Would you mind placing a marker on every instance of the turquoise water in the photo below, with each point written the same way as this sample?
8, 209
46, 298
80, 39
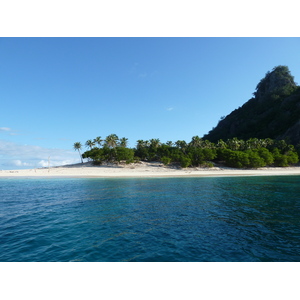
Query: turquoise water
149, 220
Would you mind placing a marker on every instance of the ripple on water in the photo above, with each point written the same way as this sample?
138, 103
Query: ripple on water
155, 219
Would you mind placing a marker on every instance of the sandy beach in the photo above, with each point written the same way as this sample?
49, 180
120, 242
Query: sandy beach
144, 169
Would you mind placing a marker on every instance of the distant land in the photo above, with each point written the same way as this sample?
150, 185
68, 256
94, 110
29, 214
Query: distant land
264, 132
273, 112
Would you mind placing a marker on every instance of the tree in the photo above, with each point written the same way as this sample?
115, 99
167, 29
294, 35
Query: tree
90, 143
234, 144
77, 146
166, 160
255, 161
122, 153
181, 145
123, 142
140, 144
266, 155
196, 142
98, 141
154, 143
185, 162
221, 144
111, 140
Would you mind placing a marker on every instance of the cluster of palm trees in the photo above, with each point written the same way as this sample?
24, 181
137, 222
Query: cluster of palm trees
111, 141
235, 152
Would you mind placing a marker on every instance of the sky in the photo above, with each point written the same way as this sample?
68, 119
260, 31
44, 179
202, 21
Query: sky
58, 91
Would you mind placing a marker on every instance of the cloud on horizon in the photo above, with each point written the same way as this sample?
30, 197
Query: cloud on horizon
7, 130
15, 156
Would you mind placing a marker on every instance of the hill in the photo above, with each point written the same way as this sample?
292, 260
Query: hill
273, 112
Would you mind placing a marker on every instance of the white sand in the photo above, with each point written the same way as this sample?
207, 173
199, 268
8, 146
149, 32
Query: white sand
143, 169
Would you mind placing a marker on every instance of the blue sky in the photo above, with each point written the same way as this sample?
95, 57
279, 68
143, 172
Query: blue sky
57, 91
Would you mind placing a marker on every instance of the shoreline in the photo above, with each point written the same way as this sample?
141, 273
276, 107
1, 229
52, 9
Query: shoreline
142, 170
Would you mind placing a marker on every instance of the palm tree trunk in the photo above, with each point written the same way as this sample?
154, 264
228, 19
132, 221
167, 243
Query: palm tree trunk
80, 156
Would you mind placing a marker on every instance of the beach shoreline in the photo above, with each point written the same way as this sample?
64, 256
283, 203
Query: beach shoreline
143, 170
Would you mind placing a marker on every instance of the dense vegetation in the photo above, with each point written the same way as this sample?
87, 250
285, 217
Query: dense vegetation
255, 134
273, 112
252, 153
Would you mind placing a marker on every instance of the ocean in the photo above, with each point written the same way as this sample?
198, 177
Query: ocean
207, 219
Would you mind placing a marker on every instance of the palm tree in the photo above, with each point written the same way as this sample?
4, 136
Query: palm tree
221, 144
123, 142
253, 143
181, 145
78, 146
196, 142
154, 143
233, 144
269, 142
140, 144
111, 140
208, 144
90, 143
98, 141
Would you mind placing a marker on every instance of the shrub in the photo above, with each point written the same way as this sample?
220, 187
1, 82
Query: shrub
292, 157
237, 159
207, 164
281, 160
266, 155
185, 162
165, 160
136, 159
124, 154
255, 161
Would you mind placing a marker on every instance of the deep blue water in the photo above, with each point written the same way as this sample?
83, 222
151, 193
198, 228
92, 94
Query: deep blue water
150, 220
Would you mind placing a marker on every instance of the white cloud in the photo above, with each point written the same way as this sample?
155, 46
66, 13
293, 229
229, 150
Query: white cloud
43, 163
5, 129
170, 108
13, 155
19, 163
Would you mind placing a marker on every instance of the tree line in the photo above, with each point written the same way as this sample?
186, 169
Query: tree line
237, 153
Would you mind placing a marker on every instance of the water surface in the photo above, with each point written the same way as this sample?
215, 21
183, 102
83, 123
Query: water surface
151, 219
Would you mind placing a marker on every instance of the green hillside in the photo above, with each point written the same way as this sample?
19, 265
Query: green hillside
273, 112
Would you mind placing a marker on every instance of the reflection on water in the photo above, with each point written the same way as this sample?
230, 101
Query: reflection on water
162, 219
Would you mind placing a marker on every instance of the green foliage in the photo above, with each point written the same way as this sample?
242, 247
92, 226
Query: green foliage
166, 160
280, 160
207, 164
143, 153
292, 157
185, 161
237, 153
77, 146
111, 141
237, 159
272, 113
125, 154
284, 160
200, 155
266, 155
255, 161
136, 159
